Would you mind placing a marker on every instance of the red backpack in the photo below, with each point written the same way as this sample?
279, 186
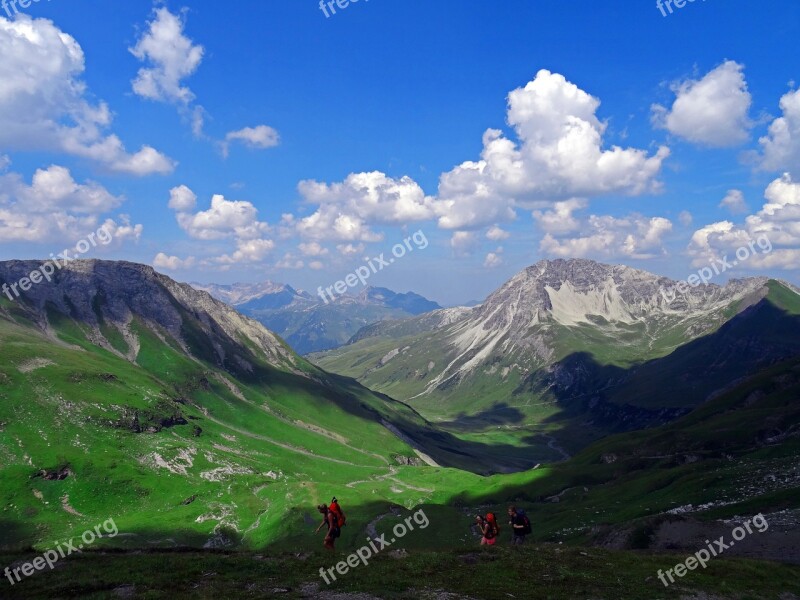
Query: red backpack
494, 527
337, 512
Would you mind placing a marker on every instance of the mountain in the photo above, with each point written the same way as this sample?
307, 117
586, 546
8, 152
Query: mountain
309, 324
274, 295
575, 349
125, 394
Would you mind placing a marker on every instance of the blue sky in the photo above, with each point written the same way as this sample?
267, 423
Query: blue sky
615, 133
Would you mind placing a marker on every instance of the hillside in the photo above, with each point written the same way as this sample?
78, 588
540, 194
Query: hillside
125, 394
572, 350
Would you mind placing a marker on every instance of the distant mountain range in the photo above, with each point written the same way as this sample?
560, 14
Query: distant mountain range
307, 323
576, 349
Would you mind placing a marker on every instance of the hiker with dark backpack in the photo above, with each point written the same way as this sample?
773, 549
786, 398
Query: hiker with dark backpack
520, 525
329, 518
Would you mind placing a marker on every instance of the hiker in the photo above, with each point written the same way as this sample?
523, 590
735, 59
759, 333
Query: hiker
489, 529
520, 525
329, 519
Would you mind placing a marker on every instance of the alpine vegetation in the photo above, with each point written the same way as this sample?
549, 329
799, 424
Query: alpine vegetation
375, 546
715, 548
62, 550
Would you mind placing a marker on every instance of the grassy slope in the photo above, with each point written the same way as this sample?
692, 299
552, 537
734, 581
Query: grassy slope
636, 365
250, 454
536, 572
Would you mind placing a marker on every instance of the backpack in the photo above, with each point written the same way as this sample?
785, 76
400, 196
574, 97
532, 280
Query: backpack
337, 512
525, 520
493, 526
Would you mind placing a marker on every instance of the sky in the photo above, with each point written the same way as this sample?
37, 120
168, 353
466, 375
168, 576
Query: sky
297, 142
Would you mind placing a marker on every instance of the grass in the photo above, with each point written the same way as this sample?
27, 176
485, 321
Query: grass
536, 572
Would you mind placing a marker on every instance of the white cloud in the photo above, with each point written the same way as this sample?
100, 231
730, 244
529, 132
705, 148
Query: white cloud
559, 155
182, 199
313, 249
712, 111
560, 219
778, 221
347, 209
44, 105
734, 201
173, 263
172, 56
235, 220
247, 251
224, 219
316, 265
259, 137
463, 242
350, 249
685, 218
54, 207
124, 231
493, 259
497, 234
781, 146
634, 236
289, 262
5, 162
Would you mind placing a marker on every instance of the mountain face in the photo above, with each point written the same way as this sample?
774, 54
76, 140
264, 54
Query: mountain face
126, 394
575, 341
310, 325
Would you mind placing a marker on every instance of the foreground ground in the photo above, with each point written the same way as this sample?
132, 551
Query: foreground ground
542, 571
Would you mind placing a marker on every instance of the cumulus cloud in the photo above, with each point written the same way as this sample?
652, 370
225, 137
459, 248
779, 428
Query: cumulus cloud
685, 218
235, 220
313, 249
350, 249
634, 236
560, 220
493, 259
559, 155
224, 219
781, 145
463, 242
44, 104
734, 202
778, 221
173, 263
171, 58
711, 111
259, 137
346, 210
497, 234
56, 207
182, 199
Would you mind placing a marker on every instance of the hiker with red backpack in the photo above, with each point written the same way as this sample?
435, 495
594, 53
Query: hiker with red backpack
334, 518
520, 525
329, 519
489, 529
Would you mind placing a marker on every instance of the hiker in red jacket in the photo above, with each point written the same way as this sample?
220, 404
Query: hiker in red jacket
329, 519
